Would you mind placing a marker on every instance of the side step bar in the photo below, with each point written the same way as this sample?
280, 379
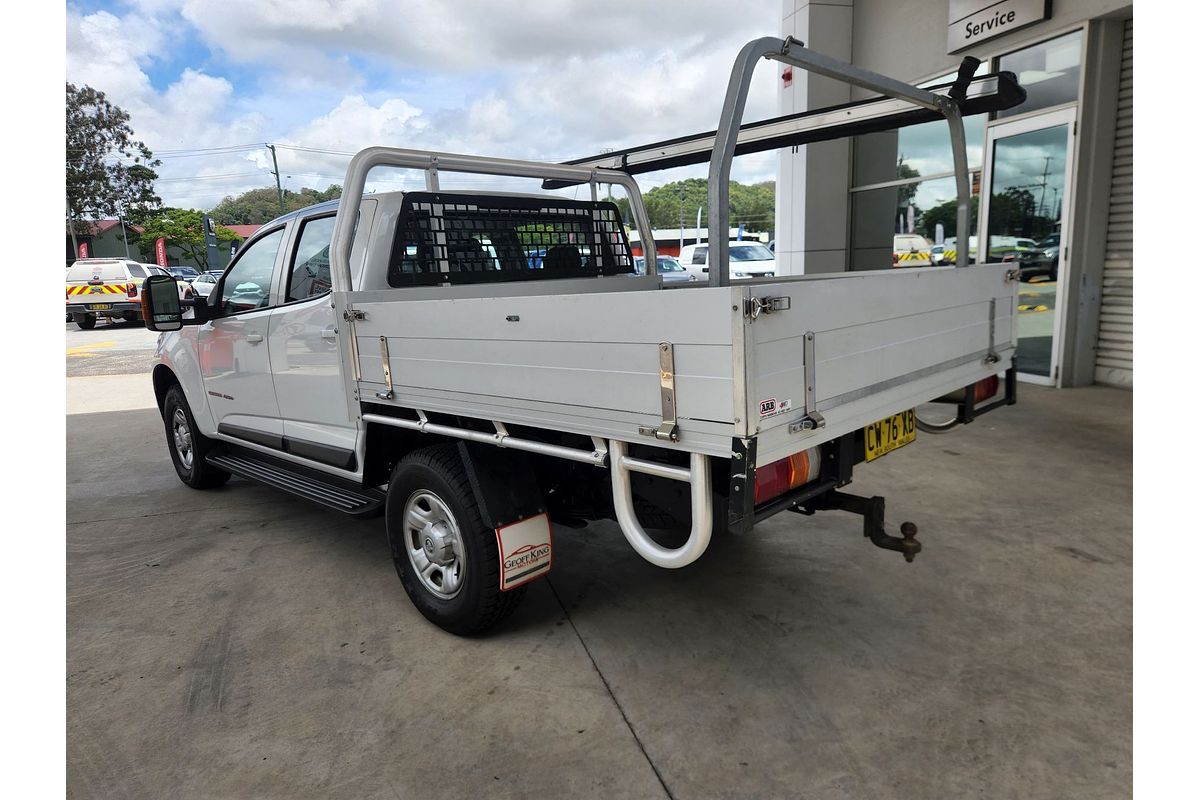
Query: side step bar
356, 502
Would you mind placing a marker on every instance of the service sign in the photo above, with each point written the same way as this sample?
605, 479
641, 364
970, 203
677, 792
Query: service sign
975, 21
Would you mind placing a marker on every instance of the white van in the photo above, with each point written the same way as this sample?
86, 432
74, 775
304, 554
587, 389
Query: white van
911, 250
746, 260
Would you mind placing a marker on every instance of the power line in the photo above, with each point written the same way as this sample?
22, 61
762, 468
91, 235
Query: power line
208, 177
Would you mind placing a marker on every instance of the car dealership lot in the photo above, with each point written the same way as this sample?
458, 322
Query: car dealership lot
241, 643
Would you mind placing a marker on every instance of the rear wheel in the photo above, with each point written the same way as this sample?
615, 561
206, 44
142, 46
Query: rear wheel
85, 321
446, 557
188, 446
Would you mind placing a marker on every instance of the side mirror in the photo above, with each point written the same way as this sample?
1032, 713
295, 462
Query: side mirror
160, 303
200, 309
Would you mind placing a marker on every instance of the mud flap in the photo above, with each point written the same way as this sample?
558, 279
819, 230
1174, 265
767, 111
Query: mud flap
510, 503
526, 551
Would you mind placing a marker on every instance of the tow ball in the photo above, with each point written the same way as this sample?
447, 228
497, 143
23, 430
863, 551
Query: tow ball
872, 511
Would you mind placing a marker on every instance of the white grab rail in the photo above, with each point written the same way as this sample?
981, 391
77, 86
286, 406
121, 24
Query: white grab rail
698, 475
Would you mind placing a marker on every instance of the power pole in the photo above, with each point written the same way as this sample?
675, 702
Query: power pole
278, 185
681, 220
71, 226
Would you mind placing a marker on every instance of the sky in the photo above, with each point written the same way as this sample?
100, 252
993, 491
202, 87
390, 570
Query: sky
209, 82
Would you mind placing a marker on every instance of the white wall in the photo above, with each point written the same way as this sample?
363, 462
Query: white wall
810, 196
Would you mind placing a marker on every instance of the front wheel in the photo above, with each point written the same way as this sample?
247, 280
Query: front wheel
447, 559
188, 446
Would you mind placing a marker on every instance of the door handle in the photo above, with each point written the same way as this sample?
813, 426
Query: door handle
254, 338
329, 333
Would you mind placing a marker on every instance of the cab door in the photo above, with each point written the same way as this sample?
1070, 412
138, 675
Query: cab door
234, 349
305, 359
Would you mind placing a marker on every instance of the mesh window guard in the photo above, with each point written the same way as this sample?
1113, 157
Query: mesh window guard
453, 239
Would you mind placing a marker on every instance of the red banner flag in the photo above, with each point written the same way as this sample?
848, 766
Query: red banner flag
160, 252
83, 250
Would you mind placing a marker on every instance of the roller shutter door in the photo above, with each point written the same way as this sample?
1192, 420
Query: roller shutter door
1114, 347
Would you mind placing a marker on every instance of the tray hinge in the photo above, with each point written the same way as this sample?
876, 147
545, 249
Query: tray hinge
387, 370
991, 357
812, 418
668, 430
351, 316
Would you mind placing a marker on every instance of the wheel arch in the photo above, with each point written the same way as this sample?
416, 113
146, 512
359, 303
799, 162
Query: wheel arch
164, 378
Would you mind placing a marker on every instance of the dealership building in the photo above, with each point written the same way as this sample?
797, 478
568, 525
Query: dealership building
1052, 178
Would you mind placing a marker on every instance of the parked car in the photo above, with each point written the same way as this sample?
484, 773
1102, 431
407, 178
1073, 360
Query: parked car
910, 250
186, 273
182, 285
667, 266
1042, 259
204, 283
746, 260
105, 287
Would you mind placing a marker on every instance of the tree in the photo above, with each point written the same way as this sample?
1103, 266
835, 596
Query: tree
907, 191
752, 206
184, 228
947, 214
260, 206
108, 171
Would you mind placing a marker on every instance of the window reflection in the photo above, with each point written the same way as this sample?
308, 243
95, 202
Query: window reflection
1049, 71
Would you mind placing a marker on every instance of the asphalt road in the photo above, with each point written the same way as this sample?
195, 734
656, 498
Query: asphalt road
240, 643
121, 348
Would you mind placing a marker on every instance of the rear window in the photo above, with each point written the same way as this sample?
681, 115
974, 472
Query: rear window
753, 252
104, 270
451, 239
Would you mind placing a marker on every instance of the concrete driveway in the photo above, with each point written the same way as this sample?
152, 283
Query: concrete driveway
239, 643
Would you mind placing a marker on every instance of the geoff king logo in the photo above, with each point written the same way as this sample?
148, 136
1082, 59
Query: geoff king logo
527, 556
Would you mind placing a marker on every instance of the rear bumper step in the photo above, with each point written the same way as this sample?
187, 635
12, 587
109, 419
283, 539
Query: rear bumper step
356, 502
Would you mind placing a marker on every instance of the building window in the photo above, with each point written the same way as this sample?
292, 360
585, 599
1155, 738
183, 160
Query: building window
903, 183
1049, 71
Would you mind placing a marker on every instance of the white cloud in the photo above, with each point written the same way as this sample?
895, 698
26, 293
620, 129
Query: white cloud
554, 80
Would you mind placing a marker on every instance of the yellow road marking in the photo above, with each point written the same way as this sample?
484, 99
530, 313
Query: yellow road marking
82, 350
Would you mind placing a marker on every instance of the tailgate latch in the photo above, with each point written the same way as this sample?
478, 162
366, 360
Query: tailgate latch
765, 305
668, 430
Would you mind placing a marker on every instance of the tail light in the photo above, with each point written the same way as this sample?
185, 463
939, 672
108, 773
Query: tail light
986, 388
782, 476
131, 289
187, 293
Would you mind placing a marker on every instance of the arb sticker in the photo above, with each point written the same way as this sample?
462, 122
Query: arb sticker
526, 550
771, 407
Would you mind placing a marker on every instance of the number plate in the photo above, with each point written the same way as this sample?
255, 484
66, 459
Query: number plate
99, 306
888, 434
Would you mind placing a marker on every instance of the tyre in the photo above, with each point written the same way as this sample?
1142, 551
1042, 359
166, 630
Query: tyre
187, 445
132, 316
447, 559
85, 321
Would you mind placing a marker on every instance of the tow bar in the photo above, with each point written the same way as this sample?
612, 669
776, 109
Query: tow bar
871, 509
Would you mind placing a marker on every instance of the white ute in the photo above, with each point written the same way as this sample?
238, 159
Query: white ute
474, 365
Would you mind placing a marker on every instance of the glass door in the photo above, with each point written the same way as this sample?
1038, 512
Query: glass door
1027, 218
